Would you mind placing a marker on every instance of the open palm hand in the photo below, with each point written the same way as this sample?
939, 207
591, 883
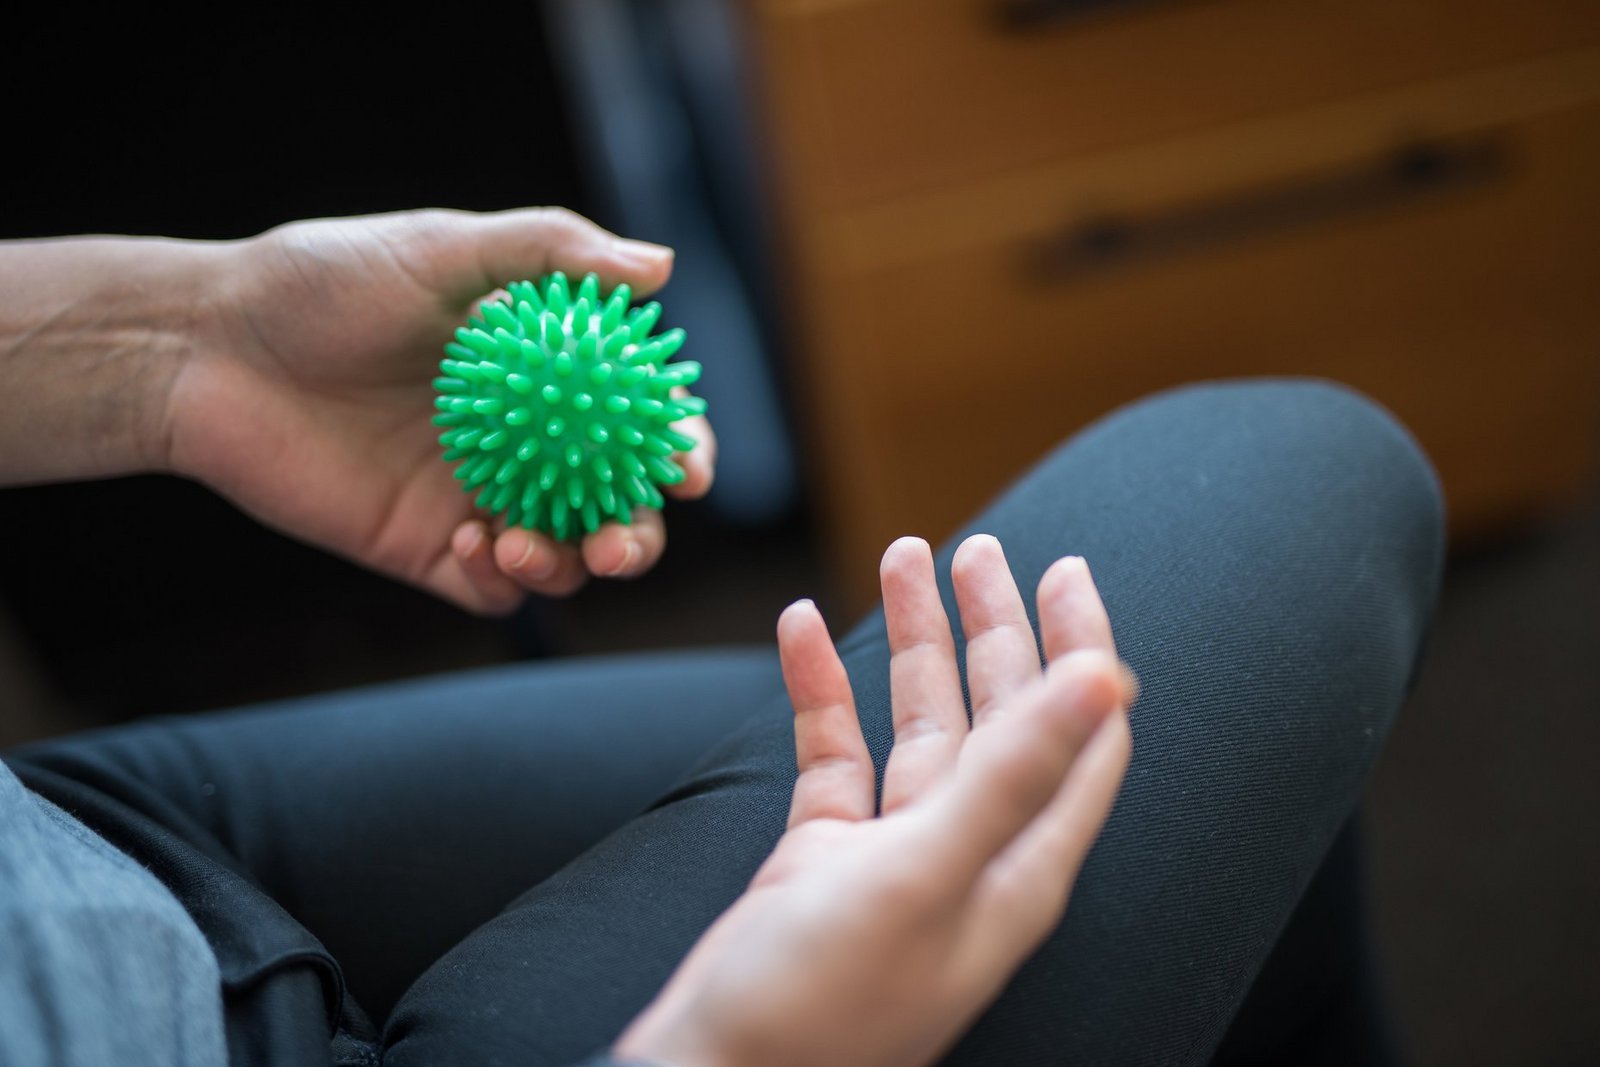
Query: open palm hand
878, 929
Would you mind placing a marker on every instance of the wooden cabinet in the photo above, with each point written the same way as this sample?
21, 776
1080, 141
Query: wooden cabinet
995, 236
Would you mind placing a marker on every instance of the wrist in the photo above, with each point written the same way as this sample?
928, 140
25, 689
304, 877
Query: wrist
173, 321
94, 333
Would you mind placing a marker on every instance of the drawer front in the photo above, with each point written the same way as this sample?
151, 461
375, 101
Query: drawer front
1467, 305
877, 97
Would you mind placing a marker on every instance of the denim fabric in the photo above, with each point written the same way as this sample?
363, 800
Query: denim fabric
98, 963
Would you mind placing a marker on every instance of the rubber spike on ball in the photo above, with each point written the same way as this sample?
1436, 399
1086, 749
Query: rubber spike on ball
546, 395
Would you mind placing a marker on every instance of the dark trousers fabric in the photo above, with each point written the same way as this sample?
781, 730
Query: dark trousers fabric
503, 867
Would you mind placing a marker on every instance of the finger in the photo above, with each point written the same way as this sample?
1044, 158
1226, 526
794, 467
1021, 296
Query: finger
618, 551
468, 575
1071, 614
930, 715
1023, 894
527, 242
539, 563
1002, 656
1010, 769
836, 773
700, 462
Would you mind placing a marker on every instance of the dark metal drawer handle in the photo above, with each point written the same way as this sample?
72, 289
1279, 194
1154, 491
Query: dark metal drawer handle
1414, 171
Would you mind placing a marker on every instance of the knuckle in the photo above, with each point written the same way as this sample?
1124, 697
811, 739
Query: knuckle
428, 231
562, 221
428, 221
1005, 630
923, 730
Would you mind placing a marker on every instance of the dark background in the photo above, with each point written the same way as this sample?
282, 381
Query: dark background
150, 595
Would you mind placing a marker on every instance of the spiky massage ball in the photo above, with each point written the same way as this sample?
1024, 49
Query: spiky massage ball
557, 403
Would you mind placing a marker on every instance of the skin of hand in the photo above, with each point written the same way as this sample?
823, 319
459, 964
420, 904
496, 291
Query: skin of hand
874, 935
293, 371
308, 397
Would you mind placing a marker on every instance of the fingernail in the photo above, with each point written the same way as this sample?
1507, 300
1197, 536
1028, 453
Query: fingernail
527, 554
467, 543
534, 563
642, 252
630, 556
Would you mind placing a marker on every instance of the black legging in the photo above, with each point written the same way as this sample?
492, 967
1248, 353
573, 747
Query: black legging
506, 865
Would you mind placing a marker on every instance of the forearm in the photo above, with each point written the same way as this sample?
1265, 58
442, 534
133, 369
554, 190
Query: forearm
93, 331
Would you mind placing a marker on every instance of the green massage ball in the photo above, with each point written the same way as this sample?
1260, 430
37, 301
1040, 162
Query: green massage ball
557, 405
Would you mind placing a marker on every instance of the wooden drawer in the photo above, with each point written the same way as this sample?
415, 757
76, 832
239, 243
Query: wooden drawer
949, 356
885, 96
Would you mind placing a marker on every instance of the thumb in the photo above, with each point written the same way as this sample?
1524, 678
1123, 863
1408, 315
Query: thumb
527, 242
